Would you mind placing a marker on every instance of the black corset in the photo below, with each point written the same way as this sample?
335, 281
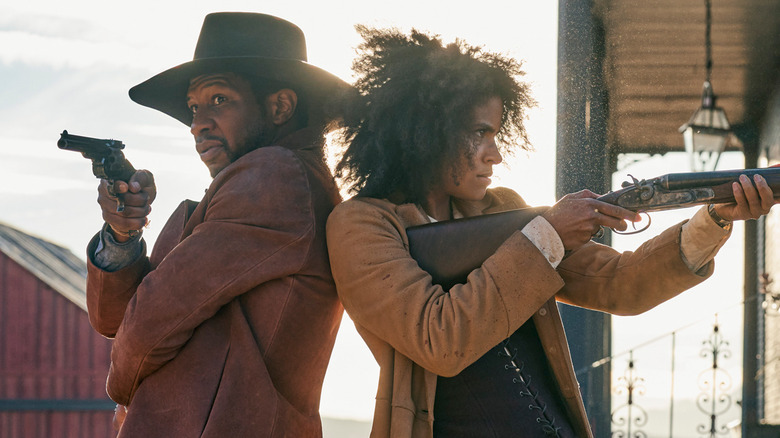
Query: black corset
508, 392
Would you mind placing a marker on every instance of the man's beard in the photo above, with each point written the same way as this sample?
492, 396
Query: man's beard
261, 135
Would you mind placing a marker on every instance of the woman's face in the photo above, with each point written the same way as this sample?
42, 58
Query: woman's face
470, 178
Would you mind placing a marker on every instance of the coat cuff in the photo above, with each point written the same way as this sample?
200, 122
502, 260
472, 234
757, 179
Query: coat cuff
546, 239
701, 239
109, 292
110, 255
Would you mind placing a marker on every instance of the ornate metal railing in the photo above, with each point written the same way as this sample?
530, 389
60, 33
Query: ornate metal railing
667, 389
629, 418
687, 379
715, 384
771, 303
710, 388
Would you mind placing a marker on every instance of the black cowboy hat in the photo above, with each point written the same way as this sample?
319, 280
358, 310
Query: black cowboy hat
258, 46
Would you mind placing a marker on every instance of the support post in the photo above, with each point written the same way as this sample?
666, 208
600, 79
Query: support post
583, 161
750, 343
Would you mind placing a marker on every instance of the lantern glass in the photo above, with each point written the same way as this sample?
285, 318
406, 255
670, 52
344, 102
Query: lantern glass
704, 147
706, 133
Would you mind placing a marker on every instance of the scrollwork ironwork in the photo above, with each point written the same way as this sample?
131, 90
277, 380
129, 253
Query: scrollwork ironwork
714, 384
629, 415
771, 303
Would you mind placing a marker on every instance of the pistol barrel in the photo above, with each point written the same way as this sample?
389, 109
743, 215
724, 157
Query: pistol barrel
88, 145
108, 161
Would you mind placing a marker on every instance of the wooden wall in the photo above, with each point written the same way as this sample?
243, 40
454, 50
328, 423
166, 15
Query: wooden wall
53, 366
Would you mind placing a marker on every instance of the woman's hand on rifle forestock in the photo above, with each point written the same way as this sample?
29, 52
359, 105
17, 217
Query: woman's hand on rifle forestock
752, 201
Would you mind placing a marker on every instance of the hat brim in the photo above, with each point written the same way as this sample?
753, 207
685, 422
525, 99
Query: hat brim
167, 91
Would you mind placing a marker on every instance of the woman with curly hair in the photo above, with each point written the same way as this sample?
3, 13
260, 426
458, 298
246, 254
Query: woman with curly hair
487, 357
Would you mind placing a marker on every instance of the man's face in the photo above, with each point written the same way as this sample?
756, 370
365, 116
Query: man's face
227, 120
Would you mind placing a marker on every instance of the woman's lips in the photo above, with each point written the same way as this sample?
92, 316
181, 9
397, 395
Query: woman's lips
485, 178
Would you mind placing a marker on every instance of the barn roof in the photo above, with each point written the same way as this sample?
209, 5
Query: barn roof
54, 265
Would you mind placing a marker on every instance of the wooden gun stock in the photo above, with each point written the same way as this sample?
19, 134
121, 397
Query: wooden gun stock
450, 250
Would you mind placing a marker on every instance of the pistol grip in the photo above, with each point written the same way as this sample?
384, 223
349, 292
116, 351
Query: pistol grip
120, 203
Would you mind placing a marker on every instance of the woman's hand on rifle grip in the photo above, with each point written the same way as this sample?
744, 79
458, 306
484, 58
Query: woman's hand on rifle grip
578, 216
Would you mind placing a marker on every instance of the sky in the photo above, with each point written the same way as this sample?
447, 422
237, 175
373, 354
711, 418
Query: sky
69, 65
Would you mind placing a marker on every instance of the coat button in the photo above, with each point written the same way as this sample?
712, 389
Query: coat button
542, 311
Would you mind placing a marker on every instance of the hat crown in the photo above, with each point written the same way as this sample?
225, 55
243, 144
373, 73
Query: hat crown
241, 34
260, 46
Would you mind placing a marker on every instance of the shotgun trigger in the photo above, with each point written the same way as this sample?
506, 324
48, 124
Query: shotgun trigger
633, 225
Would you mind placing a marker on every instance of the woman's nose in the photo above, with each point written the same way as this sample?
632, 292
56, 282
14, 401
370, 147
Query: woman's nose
492, 154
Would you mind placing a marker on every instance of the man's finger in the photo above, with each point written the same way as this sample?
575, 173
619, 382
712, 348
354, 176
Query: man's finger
124, 225
143, 178
134, 212
119, 187
140, 199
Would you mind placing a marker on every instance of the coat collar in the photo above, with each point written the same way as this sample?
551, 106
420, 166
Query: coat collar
303, 139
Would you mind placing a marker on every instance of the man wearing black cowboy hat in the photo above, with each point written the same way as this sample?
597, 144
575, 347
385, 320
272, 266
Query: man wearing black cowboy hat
227, 327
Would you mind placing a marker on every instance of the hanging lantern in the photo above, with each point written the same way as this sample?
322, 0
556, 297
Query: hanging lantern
707, 132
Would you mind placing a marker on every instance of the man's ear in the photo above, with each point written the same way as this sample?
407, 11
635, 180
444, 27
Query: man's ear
282, 105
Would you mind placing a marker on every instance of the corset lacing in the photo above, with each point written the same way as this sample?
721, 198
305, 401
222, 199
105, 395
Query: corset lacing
547, 421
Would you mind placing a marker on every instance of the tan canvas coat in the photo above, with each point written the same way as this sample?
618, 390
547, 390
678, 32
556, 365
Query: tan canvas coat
227, 329
416, 330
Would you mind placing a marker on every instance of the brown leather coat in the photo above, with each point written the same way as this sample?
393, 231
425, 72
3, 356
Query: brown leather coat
417, 330
227, 328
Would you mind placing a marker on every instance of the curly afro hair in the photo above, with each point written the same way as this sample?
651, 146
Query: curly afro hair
404, 126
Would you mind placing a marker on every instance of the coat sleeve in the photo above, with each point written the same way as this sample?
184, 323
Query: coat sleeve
109, 292
384, 290
628, 283
258, 226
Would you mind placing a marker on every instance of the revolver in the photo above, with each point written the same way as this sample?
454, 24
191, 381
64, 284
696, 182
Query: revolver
108, 161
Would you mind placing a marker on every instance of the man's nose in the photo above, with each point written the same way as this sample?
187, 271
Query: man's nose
201, 122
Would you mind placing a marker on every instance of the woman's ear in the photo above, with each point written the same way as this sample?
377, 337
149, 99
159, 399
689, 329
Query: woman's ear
282, 105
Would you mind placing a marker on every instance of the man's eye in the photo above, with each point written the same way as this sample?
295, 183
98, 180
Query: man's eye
219, 99
193, 109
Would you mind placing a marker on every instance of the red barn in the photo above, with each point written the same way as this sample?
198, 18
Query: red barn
53, 366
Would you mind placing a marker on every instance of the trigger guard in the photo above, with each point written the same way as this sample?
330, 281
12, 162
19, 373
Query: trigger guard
633, 224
